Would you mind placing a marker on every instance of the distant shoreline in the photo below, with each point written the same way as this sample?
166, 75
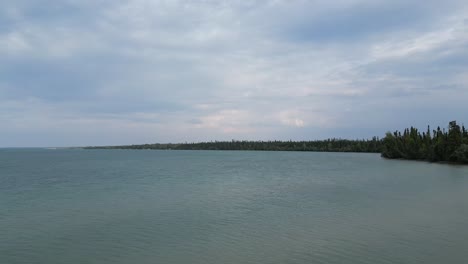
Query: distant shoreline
253, 150
330, 145
440, 145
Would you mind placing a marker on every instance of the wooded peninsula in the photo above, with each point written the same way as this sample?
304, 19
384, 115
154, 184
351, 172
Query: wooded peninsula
440, 145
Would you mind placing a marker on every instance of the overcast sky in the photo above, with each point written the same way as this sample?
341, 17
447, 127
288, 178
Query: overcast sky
104, 72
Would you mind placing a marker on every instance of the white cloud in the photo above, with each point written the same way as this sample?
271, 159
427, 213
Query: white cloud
291, 118
453, 32
14, 43
230, 121
185, 70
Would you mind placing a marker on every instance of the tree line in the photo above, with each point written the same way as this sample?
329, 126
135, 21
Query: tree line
439, 145
373, 145
449, 145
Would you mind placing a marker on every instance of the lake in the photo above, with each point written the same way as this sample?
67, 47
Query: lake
202, 207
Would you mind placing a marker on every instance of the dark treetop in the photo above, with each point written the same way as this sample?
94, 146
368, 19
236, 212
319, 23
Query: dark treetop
441, 145
330, 145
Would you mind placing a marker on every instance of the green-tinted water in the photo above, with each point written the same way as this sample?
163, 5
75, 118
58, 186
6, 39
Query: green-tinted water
115, 206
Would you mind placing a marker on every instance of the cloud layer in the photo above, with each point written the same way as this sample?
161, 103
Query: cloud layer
138, 71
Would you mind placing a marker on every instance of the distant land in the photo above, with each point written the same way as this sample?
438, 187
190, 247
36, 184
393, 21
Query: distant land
330, 145
439, 145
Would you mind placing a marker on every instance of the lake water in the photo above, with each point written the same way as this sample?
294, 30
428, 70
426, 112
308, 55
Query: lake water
124, 206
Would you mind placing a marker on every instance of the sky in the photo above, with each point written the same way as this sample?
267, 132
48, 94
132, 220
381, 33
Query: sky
111, 72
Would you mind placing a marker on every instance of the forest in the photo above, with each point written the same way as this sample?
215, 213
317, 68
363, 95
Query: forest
373, 145
439, 145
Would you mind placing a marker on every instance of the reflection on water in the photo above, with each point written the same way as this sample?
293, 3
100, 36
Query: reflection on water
114, 206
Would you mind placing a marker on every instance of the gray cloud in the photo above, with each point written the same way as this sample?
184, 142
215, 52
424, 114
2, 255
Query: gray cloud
362, 20
121, 72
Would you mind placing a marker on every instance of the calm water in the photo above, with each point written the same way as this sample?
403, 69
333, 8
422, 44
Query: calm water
121, 206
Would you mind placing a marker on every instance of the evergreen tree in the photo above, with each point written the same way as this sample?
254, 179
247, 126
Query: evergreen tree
444, 145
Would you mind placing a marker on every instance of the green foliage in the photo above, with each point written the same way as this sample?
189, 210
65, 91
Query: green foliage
436, 145
451, 145
330, 145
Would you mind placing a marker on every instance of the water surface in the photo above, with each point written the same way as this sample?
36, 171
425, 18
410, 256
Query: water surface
126, 206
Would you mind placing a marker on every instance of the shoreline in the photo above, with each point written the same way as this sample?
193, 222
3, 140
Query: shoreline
453, 163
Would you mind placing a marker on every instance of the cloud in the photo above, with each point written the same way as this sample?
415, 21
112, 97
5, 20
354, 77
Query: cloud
115, 72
